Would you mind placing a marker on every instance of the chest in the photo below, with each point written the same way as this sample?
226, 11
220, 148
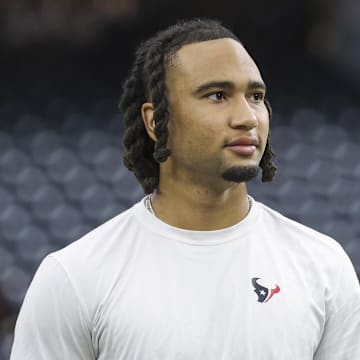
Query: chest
231, 307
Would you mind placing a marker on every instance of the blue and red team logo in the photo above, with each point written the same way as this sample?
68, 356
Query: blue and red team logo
263, 290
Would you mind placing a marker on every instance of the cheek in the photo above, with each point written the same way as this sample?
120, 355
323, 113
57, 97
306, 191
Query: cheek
192, 139
263, 127
202, 134
194, 144
263, 135
180, 138
264, 130
191, 129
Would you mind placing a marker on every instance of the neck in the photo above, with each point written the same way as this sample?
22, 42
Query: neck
200, 208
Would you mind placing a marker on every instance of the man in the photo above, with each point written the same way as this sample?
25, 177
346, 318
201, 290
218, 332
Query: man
198, 269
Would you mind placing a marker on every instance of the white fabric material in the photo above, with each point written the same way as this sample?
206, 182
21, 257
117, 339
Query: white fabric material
136, 288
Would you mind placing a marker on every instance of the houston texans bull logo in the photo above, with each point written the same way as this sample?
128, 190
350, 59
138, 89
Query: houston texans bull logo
264, 293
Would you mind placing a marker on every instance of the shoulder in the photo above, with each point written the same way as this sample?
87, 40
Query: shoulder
52, 316
293, 234
314, 256
92, 263
103, 239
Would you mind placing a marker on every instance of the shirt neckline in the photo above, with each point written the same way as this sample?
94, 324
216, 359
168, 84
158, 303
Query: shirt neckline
197, 237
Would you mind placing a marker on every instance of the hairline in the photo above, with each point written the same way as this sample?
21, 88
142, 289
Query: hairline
172, 54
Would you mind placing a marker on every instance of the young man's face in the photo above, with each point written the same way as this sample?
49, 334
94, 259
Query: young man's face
218, 124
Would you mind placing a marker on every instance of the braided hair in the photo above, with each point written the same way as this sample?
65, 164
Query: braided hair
146, 83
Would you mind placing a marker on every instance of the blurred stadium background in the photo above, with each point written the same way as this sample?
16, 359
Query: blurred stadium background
62, 65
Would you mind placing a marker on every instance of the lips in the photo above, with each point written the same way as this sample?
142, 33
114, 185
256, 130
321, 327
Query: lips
244, 141
244, 145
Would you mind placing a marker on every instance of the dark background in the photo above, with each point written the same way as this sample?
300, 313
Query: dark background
304, 48
62, 66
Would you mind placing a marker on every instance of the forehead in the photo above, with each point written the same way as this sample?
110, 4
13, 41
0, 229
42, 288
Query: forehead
224, 59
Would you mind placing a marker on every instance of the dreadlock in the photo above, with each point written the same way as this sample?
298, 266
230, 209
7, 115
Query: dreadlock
146, 83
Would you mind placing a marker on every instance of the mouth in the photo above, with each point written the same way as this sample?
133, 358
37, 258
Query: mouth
244, 145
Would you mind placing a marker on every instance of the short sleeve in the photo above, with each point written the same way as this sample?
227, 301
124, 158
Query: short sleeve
52, 323
341, 336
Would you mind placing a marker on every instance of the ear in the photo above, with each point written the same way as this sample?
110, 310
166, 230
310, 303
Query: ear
147, 113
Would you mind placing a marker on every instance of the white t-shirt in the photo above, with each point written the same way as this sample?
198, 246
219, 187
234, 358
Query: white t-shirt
137, 288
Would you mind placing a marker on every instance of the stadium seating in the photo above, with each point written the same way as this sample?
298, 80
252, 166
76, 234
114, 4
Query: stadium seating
61, 174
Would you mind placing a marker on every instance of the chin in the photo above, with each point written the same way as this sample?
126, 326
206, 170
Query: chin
240, 174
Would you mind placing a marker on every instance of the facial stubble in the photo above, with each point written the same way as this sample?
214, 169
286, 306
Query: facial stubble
240, 174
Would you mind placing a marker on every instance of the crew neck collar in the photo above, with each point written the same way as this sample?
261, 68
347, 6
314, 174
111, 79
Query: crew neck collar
197, 237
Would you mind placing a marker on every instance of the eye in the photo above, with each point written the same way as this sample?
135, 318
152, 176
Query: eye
258, 96
216, 96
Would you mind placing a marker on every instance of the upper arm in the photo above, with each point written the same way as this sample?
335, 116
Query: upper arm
53, 323
341, 336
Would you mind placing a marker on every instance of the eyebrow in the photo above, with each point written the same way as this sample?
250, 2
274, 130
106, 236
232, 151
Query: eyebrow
257, 85
228, 85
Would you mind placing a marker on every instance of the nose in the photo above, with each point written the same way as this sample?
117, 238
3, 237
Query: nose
243, 115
